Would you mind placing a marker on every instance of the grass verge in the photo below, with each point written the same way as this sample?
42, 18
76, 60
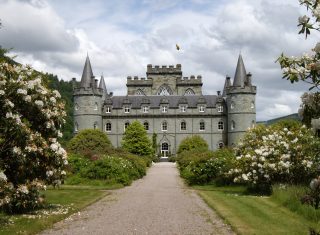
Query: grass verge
62, 202
253, 214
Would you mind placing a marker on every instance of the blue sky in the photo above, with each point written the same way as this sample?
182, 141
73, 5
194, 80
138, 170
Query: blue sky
122, 37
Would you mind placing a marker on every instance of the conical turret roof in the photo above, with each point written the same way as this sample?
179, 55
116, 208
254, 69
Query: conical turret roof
227, 84
87, 74
102, 84
241, 74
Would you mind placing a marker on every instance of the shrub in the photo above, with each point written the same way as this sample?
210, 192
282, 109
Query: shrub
30, 121
194, 142
275, 154
89, 143
136, 141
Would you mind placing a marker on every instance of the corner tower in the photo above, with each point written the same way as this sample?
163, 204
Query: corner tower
88, 99
241, 106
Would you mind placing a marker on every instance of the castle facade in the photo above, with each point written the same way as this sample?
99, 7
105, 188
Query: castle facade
169, 105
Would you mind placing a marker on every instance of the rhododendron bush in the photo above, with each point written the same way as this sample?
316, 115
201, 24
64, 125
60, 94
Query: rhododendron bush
30, 156
275, 154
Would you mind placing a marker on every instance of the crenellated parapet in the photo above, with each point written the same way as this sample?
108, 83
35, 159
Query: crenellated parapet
164, 69
190, 81
136, 81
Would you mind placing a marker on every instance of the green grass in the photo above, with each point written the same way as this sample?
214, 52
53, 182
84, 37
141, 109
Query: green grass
68, 198
253, 214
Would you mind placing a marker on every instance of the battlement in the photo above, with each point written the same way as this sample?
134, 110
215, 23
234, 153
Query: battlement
164, 69
192, 80
136, 81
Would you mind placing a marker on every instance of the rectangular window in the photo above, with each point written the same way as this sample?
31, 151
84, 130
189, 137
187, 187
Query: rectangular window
127, 109
183, 109
164, 109
108, 126
202, 126
220, 126
145, 109
201, 108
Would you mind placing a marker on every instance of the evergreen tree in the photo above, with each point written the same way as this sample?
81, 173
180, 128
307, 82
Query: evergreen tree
136, 141
195, 142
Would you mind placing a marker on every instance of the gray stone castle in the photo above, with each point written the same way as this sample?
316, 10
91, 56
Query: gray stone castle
168, 104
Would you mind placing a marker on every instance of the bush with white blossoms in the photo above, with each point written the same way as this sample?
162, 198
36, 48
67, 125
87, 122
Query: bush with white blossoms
275, 154
30, 156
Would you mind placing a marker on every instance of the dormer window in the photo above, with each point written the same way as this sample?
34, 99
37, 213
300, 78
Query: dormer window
145, 109
127, 109
108, 109
183, 108
164, 109
220, 108
201, 108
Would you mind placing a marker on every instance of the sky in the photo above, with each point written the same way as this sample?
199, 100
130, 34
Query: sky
122, 36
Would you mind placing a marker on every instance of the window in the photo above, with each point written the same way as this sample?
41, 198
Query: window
233, 125
220, 125
108, 109
96, 106
189, 91
220, 108
164, 126
252, 105
253, 123
202, 126
220, 145
139, 92
146, 126
164, 90
232, 105
183, 108
145, 109
164, 109
108, 126
95, 125
183, 126
76, 127
76, 107
126, 125
201, 108
127, 109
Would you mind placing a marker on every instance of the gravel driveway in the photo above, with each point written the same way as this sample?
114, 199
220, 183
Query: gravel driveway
159, 203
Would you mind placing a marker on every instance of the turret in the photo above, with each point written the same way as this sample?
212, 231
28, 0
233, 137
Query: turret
88, 99
102, 85
240, 103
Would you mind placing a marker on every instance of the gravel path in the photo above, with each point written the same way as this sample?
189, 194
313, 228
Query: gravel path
159, 203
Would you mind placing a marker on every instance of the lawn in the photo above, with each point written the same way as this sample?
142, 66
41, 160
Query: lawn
249, 214
62, 203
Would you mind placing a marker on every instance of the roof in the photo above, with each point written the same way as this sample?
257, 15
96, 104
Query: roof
156, 101
102, 84
240, 75
87, 74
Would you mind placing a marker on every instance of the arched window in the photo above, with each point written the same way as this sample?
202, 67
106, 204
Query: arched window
146, 125
164, 126
76, 106
233, 125
220, 145
139, 92
96, 106
189, 91
108, 126
164, 90
126, 125
164, 149
232, 105
252, 105
202, 126
183, 126
220, 125
76, 127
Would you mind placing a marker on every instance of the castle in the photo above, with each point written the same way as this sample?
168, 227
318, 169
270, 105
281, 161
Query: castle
168, 104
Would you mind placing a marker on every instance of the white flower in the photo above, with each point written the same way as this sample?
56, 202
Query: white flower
3, 177
244, 177
317, 48
49, 173
303, 19
295, 140
27, 98
9, 103
16, 150
316, 12
39, 103
56, 93
22, 91
63, 173
54, 147
53, 100
23, 189
2, 92
60, 134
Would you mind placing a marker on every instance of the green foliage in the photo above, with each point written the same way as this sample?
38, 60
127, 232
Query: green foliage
89, 142
193, 142
136, 141
310, 107
201, 167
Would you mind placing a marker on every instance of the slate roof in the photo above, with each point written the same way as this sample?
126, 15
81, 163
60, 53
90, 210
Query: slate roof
87, 75
155, 101
240, 76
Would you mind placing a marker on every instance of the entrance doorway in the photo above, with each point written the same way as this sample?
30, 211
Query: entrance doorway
164, 149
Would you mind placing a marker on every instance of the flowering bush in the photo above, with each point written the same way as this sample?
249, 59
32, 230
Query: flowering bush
275, 154
310, 107
30, 156
313, 196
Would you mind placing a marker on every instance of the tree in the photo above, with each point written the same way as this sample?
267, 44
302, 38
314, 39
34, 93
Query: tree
193, 143
30, 120
310, 107
89, 142
307, 67
136, 141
